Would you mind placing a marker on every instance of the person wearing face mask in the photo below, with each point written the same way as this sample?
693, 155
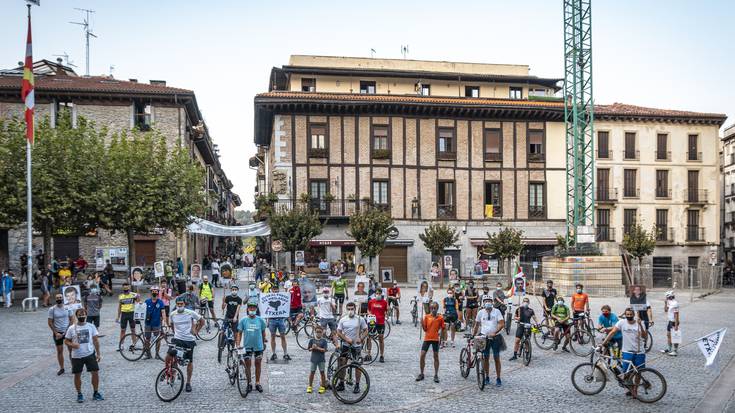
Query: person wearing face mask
580, 301
549, 297
450, 314
82, 339
524, 314
93, 304
671, 307
155, 311
471, 295
59, 319
489, 322
378, 306
433, 326
231, 308
325, 312
253, 295
251, 339
296, 311
126, 313
185, 325
561, 314
499, 298
607, 322
352, 330
277, 326
206, 293
633, 344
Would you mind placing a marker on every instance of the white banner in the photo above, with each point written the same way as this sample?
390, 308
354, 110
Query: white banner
710, 345
274, 305
201, 226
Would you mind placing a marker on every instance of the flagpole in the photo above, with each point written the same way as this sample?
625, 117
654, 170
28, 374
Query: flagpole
30, 125
29, 216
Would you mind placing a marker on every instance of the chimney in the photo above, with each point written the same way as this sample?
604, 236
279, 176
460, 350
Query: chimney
133, 80
158, 82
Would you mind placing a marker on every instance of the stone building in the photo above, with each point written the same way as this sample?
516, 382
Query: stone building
728, 194
122, 105
478, 146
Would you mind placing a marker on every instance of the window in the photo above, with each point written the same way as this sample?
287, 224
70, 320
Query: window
536, 145
603, 185
693, 186
380, 193
367, 87
604, 233
493, 145
662, 153
662, 224
516, 92
446, 143
692, 151
693, 262
142, 118
630, 151
380, 142
694, 232
472, 91
629, 219
318, 196
536, 92
64, 108
308, 85
318, 140
445, 200
603, 145
630, 190
424, 90
493, 200
662, 184
536, 204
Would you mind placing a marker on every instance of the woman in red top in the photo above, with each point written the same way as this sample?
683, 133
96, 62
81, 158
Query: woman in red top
378, 307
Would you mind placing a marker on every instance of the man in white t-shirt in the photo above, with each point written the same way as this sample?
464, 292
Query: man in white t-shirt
85, 351
325, 312
634, 348
490, 323
182, 322
671, 306
215, 271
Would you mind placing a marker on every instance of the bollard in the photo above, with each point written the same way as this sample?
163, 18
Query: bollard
29, 304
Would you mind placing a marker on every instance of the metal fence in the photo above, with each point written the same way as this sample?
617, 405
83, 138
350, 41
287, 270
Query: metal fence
696, 281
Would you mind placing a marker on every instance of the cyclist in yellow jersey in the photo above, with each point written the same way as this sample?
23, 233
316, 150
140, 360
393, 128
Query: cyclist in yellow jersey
125, 311
265, 286
206, 292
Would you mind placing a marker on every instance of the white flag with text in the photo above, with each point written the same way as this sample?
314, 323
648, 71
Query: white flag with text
710, 345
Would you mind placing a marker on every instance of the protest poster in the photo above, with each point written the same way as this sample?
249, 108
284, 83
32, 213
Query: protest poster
158, 269
196, 273
139, 311
72, 297
274, 305
638, 300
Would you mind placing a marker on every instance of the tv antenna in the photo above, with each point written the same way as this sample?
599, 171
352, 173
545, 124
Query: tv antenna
112, 68
87, 33
404, 51
66, 60
372, 53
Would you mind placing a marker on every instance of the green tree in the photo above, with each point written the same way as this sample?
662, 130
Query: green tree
294, 228
12, 173
370, 228
505, 244
639, 243
437, 238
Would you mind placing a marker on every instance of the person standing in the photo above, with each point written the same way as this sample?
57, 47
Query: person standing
325, 313
231, 308
179, 267
93, 305
524, 314
155, 310
215, 271
251, 338
433, 326
549, 297
82, 339
490, 323
317, 346
185, 325
206, 294
59, 319
165, 294
107, 276
499, 298
46, 285
351, 329
339, 290
633, 349
580, 301
450, 314
378, 307
394, 299
126, 312
671, 307
278, 326
7, 287
296, 311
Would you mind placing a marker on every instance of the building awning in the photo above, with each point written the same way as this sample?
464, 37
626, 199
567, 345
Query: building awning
479, 242
331, 242
399, 242
202, 226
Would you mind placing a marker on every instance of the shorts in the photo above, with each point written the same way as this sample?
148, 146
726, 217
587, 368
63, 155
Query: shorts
339, 298
393, 300
494, 344
563, 326
148, 329
319, 365
347, 349
127, 319
450, 317
58, 341
250, 353
328, 322
90, 362
461, 305
378, 329
638, 360
670, 326
295, 311
188, 345
471, 304
277, 324
519, 331
433, 344
168, 310
210, 303
94, 319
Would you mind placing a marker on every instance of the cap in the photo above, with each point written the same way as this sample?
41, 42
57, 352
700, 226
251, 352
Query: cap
252, 304
670, 293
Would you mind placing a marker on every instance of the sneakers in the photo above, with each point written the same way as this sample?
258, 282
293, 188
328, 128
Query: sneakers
322, 389
487, 381
249, 388
665, 350
340, 387
515, 357
286, 357
565, 349
188, 388
673, 353
367, 358
259, 388
97, 396
420, 377
452, 344
356, 389
436, 379
60, 372
274, 357
381, 359
398, 321
498, 382
308, 389
80, 398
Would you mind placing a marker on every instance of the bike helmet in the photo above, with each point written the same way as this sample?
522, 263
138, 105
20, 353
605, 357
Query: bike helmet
181, 299
670, 294
252, 304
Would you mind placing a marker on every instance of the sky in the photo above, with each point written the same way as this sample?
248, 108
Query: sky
673, 54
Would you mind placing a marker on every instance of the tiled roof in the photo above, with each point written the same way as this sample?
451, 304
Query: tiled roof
622, 109
94, 84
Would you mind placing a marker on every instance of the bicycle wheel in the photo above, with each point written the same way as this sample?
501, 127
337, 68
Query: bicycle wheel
414, 317
373, 349
480, 372
652, 385
231, 365
648, 342
220, 346
169, 383
209, 330
588, 379
308, 329
350, 383
582, 346
302, 339
132, 347
387, 331
464, 364
242, 380
508, 321
526, 349
544, 339
332, 365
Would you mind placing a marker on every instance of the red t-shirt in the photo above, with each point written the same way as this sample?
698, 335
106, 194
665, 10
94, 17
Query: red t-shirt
295, 297
378, 309
393, 292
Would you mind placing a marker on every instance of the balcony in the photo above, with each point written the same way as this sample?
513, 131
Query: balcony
664, 234
730, 217
732, 158
631, 155
694, 156
631, 192
445, 211
493, 157
627, 229
536, 212
663, 155
380, 153
536, 157
696, 196
497, 211
446, 156
334, 208
695, 234
663, 193
318, 153
607, 195
604, 233
603, 154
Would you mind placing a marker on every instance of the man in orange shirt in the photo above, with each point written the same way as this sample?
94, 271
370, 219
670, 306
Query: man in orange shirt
433, 325
580, 301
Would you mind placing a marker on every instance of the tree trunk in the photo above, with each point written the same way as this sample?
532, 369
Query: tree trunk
46, 245
131, 248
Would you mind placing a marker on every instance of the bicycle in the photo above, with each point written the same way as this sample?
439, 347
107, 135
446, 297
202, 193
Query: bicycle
226, 338
133, 346
231, 364
590, 378
241, 375
508, 315
370, 319
390, 315
170, 380
478, 344
466, 357
348, 375
211, 326
544, 335
582, 335
525, 345
415, 311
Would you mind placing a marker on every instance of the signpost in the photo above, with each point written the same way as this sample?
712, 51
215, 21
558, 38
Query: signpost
276, 247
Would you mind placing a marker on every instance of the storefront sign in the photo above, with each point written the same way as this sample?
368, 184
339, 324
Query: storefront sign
330, 243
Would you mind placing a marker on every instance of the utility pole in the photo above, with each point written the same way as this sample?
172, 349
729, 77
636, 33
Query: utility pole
87, 33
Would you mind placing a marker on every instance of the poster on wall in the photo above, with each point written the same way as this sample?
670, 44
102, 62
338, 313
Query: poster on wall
196, 272
386, 274
299, 259
447, 262
136, 276
118, 257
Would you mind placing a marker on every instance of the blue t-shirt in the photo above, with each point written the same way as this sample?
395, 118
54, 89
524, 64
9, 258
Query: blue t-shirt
609, 323
252, 333
153, 312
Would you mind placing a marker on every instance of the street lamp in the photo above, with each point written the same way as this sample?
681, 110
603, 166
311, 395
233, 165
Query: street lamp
415, 208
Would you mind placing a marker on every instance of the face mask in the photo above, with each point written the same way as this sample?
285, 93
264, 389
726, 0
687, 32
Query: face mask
95, 291
549, 286
497, 288
486, 291
560, 302
82, 320
434, 311
154, 295
126, 291
59, 301
180, 309
450, 295
488, 306
630, 318
251, 313
233, 293
326, 295
579, 291
252, 287
524, 305
351, 313
606, 315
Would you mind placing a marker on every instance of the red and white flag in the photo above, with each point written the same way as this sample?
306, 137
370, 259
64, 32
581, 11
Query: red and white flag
27, 93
